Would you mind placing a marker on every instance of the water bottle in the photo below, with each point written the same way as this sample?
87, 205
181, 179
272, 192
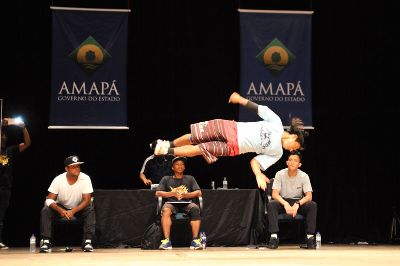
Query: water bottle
32, 244
318, 240
225, 183
203, 239
212, 185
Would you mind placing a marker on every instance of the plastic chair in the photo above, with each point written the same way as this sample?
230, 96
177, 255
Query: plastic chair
299, 219
181, 231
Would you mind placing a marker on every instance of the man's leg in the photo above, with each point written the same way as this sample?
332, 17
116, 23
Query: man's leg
195, 228
46, 228
273, 209
5, 195
309, 210
188, 151
89, 222
46, 222
166, 223
182, 141
195, 220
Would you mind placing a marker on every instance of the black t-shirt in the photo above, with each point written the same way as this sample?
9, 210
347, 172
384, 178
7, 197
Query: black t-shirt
169, 183
7, 158
156, 167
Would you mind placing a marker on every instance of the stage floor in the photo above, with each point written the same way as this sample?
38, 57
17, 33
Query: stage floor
285, 255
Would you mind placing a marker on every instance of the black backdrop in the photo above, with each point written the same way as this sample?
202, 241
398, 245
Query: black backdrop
184, 56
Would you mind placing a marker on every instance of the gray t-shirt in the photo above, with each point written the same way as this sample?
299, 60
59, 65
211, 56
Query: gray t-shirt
292, 187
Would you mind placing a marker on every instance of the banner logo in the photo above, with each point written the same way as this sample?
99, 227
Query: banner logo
276, 57
90, 55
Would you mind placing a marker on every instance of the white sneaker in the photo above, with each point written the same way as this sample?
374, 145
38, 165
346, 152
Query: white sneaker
157, 150
45, 246
161, 147
2, 246
87, 247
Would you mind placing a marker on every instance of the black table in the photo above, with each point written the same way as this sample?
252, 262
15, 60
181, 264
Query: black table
233, 217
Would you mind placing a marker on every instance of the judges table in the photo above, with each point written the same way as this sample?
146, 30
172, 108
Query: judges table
232, 217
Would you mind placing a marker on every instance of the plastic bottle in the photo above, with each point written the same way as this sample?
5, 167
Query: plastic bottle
225, 183
318, 240
203, 239
32, 244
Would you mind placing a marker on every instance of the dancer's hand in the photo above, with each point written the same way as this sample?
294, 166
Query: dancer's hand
235, 98
262, 181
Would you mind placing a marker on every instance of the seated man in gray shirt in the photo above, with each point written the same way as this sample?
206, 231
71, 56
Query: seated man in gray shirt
292, 194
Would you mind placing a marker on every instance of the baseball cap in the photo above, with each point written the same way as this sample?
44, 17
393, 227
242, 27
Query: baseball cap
72, 160
179, 158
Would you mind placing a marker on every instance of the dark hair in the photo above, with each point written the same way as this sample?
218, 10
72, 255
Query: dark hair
296, 127
296, 152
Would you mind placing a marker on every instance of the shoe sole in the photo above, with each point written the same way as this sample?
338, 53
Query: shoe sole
168, 248
45, 251
4, 248
157, 150
196, 248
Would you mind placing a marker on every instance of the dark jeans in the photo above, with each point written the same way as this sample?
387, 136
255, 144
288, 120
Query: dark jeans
5, 195
48, 216
308, 210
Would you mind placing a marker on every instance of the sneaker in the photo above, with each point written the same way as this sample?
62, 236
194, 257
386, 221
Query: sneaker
273, 243
45, 246
153, 145
2, 246
196, 244
309, 244
161, 147
87, 246
165, 244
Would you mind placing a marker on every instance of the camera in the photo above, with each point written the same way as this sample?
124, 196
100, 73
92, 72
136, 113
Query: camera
13, 121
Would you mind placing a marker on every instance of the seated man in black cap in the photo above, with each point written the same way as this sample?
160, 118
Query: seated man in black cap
69, 196
179, 188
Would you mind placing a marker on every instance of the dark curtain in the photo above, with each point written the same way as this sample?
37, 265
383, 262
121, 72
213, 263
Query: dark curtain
183, 63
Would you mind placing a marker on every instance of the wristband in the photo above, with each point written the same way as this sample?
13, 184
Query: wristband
48, 202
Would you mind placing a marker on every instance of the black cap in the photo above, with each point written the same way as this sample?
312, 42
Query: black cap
179, 158
72, 160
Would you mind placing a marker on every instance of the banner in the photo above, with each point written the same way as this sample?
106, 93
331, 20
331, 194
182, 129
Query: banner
275, 68
88, 70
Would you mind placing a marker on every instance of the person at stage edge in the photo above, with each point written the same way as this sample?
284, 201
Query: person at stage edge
8, 154
179, 188
219, 137
69, 197
154, 168
292, 194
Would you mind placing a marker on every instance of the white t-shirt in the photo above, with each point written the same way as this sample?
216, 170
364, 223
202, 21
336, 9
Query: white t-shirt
70, 195
262, 137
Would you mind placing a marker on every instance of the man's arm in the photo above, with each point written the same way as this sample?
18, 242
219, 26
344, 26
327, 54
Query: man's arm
191, 195
306, 198
86, 198
27, 139
165, 194
235, 98
51, 203
276, 196
262, 179
144, 179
